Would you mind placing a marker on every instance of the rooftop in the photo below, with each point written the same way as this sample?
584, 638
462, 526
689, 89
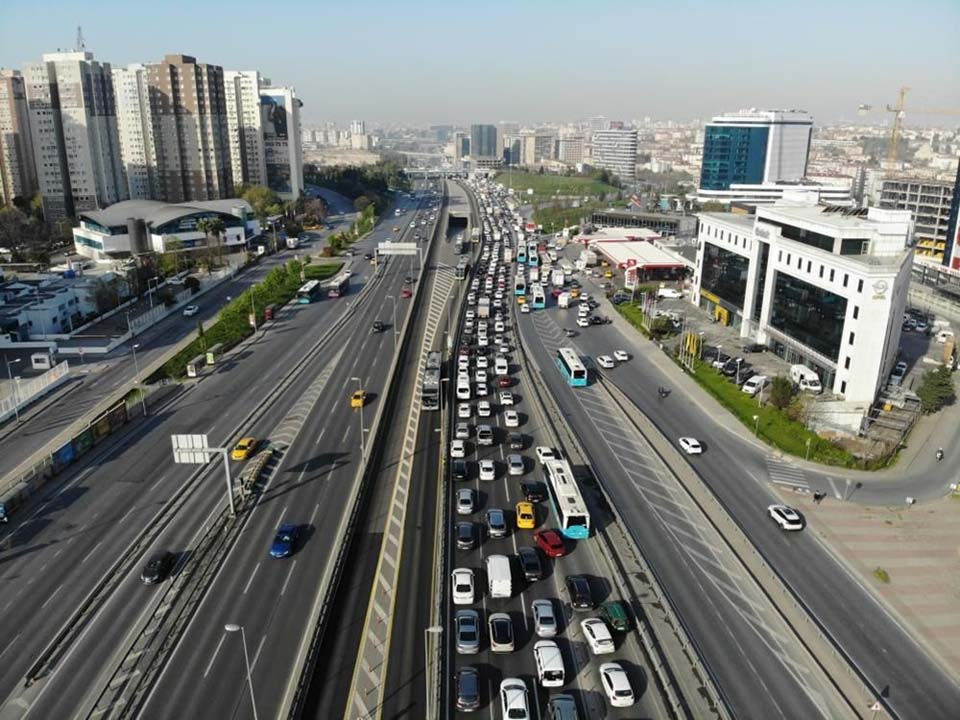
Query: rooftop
157, 212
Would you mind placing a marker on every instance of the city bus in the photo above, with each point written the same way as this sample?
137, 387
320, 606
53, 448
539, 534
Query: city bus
573, 518
533, 257
430, 389
570, 365
308, 292
521, 255
460, 273
520, 287
338, 286
539, 297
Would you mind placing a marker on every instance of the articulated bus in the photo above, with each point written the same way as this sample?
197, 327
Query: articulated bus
571, 367
460, 273
568, 504
539, 297
308, 292
430, 390
520, 287
521, 255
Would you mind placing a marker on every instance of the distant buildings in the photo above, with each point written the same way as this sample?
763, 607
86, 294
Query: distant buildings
570, 148
929, 203
18, 176
483, 142
616, 150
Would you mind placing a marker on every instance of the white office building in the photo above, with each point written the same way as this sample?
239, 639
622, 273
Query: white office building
616, 150
570, 148
280, 118
822, 286
137, 151
244, 124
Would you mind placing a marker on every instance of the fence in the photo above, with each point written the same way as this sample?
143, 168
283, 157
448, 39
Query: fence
25, 392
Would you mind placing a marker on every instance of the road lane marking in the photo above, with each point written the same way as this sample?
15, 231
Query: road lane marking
52, 595
257, 655
87, 556
287, 580
216, 651
250, 579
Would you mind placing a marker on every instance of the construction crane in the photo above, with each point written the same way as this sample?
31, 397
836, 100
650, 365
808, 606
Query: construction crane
899, 111
81, 45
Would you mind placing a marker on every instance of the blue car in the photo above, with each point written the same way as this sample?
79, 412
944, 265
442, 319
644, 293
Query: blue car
284, 541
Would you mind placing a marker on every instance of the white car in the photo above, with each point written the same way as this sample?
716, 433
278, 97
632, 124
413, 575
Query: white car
499, 326
598, 636
461, 431
616, 685
458, 449
483, 409
545, 453
620, 355
191, 310
463, 586
544, 619
470, 315
605, 361
515, 464
506, 397
785, 517
482, 341
513, 699
482, 362
503, 349
669, 293
524, 309
488, 470
464, 412
511, 418
480, 376
482, 390
691, 446
464, 501
583, 322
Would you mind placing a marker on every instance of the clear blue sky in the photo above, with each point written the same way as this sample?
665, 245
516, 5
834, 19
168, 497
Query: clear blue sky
436, 62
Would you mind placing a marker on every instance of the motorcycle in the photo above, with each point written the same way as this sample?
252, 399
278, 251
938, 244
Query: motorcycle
939, 454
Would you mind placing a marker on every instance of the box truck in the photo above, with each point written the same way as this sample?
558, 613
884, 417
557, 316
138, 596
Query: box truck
499, 580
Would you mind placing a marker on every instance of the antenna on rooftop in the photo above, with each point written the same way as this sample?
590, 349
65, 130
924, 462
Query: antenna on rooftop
81, 45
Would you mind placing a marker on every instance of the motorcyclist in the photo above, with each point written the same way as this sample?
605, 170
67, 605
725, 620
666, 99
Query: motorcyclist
663, 391
939, 454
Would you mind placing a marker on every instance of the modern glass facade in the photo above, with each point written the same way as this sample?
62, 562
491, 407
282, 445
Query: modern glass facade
724, 274
761, 279
733, 155
809, 315
483, 140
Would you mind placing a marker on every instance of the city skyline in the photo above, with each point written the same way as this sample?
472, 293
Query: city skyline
528, 65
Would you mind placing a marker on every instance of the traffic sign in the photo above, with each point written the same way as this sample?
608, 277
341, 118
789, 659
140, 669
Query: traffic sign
631, 262
393, 248
190, 449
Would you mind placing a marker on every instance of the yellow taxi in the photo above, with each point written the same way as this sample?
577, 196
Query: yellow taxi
243, 449
575, 293
358, 398
608, 274
526, 517
521, 299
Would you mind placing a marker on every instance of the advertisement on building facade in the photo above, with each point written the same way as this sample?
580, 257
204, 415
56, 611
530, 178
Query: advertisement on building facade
276, 143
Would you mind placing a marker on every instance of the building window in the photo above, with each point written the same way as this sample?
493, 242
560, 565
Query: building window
846, 279
808, 314
821, 271
789, 258
846, 363
831, 275
860, 285
856, 311
809, 266
853, 335
843, 387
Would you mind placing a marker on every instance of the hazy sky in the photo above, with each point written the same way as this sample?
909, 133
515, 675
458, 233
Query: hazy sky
487, 60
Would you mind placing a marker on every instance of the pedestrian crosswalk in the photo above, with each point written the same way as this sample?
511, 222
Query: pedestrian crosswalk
786, 475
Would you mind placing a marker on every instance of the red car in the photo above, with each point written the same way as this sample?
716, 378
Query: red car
406, 294
556, 292
551, 542
503, 381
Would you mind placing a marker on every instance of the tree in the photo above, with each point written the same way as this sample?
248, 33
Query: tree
263, 200
315, 210
712, 206
36, 207
781, 392
361, 203
213, 226
936, 389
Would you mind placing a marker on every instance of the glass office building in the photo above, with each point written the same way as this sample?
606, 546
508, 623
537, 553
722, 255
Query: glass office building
808, 314
733, 155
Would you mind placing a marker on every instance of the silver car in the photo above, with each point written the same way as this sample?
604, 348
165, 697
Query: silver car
515, 464
544, 619
496, 523
467, 628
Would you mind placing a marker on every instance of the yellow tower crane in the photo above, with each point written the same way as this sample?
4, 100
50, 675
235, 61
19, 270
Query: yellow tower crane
899, 111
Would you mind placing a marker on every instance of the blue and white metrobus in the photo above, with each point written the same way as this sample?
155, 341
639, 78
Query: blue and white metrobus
539, 297
308, 292
571, 367
573, 518
520, 287
533, 257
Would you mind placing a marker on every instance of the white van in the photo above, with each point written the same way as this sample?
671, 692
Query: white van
463, 390
755, 384
499, 579
500, 366
546, 654
805, 379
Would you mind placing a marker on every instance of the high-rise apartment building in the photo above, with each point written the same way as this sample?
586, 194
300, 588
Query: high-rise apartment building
570, 148
929, 204
358, 127
137, 151
188, 116
73, 125
483, 141
755, 147
18, 175
280, 117
245, 126
616, 151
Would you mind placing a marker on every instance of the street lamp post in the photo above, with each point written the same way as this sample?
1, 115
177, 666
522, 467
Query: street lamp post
756, 425
739, 360
16, 390
428, 676
394, 299
136, 365
253, 312
359, 387
700, 346
719, 347
231, 628
150, 291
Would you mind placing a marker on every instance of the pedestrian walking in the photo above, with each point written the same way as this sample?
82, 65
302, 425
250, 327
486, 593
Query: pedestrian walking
818, 497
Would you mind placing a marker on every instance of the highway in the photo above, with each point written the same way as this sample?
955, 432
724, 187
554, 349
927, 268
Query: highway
738, 473
74, 538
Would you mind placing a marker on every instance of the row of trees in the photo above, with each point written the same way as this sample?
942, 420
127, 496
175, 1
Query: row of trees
365, 185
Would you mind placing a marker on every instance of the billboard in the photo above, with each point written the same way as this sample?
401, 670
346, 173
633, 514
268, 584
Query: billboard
276, 142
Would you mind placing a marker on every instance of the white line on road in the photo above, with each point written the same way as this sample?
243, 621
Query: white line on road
59, 588
216, 651
257, 655
85, 557
10, 644
320, 436
287, 580
313, 515
250, 579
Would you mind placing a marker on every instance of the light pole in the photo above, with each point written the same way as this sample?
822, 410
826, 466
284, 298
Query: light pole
232, 628
739, 360
16, 390
149, 291
700, 346
428, 676
359, 387
136, 365
253, 312
756, 425
394, 299
719, 347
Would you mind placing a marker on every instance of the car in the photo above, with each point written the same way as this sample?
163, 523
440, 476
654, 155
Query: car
691, 446
285, 541
158, 566
467, 630
533, 491
616, 685
468, 689
378, 326
458, 449
464, 411
459, 470
488, 470
544, 618
516, 440
503, 348
733, 365
605, 361
511, 418
482, 390
484, 409
463, 586
483, 362
524, 309
484, 435
754, 348
526, 516
406, 294
408, 280
785, 517
191, 310
569, 332
562, 707
244, 448
496, 523
598, 320
614, 614
504, 381
551, 542
514, 703
530, 565
462, 431
754, 384
466, 536
368, 256
515, 464
506, 397
598, 636
500, 628
620, 355
545, 453
899, 372
465, 501
470, 314
581, 597
480, 375
583, 322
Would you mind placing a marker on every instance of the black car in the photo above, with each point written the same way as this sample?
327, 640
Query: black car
755, 348
408, 280
157, 568
598, 320
568, 332
593, 304
468, 689
581, 598
368, 256
530, 563
466, 536
377, 326
459, 469
516, 440
533, 491
730, 367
